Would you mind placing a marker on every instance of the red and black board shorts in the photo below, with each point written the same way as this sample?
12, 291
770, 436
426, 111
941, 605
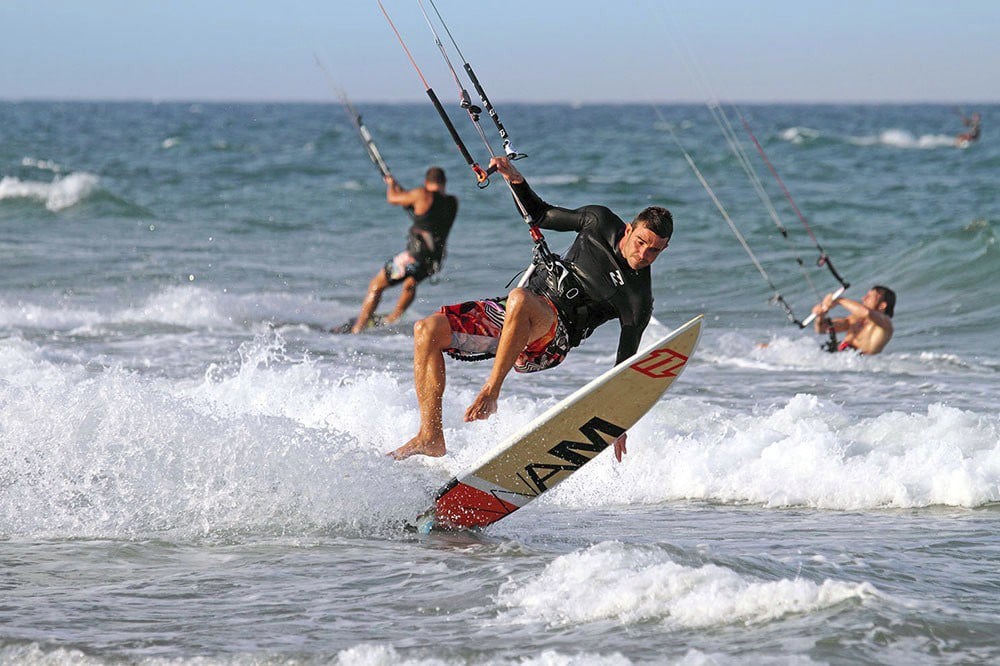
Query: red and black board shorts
475, 334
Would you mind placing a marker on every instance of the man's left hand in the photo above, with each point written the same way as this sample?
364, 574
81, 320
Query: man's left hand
482, 408
620, 446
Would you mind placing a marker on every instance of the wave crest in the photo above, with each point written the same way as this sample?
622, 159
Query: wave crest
63, 192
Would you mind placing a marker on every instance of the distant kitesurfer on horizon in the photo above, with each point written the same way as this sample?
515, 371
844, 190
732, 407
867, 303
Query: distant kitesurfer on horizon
868, 325
973, 122
604, 275
433, 212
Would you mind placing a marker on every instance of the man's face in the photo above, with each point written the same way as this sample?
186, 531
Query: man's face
872, 300
641, 246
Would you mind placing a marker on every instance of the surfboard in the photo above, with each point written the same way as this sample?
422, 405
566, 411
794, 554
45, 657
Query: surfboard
374, 321
549, 449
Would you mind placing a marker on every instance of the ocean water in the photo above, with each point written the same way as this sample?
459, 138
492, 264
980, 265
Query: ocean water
192, 471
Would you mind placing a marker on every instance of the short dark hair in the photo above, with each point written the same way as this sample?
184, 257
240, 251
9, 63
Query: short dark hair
888, 297
657, 219
435, 175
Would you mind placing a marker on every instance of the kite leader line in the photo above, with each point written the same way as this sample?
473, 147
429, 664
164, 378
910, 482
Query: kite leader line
366, 138
541, 251
482, 177
722, 120
776, 298
824, 258
507, 145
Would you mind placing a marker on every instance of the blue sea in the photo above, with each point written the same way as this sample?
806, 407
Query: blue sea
192, 470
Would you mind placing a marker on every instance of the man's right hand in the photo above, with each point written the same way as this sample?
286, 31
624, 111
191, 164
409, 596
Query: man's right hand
820, 310
507, 170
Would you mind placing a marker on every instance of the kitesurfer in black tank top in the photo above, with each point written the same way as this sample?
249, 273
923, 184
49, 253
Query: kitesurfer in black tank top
433, 212
603, 276
429, 234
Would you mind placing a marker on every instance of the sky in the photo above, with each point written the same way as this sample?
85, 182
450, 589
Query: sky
578, 51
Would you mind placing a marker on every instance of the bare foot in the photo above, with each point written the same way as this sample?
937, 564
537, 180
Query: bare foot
482, 408
419, 446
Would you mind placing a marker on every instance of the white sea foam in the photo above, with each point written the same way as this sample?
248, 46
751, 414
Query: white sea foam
806, 452
21, 366
284, 441
117, 454
32, 654
287, 442
781, 354
363, 654
898, 138
63, 192
269, 383
371, 654
187, 306
799, 135
377, 409
19, 314
633, 585
45, 165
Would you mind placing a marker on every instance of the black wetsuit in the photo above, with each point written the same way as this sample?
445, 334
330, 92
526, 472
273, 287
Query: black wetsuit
600, 286
429, 232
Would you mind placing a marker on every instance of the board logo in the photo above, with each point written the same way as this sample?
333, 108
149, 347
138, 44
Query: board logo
574, 453
661, 363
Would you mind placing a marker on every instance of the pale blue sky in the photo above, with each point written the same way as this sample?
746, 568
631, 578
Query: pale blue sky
523, 50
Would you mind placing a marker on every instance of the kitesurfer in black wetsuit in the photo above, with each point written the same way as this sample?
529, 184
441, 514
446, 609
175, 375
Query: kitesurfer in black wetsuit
603, 276
433, 212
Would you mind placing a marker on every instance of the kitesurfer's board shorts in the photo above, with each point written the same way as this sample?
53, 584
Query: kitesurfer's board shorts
405, 265
845, 345
475, 334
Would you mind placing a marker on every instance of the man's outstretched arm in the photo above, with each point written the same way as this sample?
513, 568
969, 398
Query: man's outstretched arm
542, 213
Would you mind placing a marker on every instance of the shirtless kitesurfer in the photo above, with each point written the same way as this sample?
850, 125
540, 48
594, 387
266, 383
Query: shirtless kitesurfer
604, 275
973, 123
868, 325
433, 212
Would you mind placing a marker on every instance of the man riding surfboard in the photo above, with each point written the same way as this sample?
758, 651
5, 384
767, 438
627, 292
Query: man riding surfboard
605, 275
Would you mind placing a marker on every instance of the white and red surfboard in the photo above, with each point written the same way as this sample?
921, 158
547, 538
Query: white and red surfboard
557, 443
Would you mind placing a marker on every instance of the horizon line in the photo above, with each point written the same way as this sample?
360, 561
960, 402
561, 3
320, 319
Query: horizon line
574, 103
